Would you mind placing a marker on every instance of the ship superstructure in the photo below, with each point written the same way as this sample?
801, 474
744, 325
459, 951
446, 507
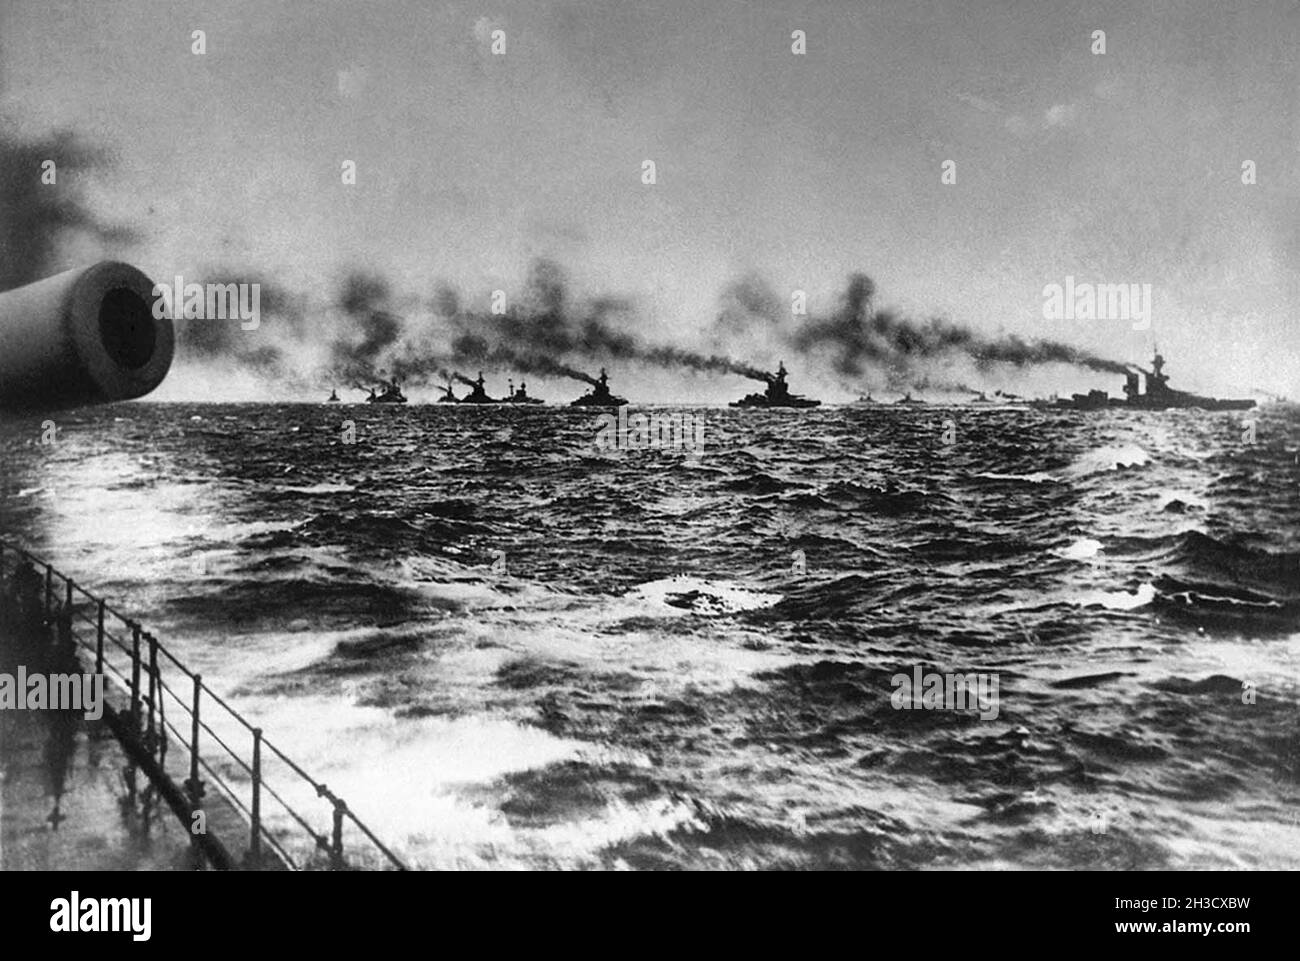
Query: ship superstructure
390, 394
777, 394
599, 395
1158, 395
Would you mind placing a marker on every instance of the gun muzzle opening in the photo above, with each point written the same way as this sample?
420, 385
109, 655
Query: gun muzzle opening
126, 328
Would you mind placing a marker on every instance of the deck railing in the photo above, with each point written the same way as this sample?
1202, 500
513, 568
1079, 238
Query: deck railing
156, 682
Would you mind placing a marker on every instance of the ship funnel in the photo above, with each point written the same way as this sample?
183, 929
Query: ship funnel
86, 336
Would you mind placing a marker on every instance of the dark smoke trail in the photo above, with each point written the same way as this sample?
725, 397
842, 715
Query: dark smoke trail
469, 348
549, 326
544, 366
1013, 350
417, 370
364, 298
860, 338
748, 303
257, 350
676, 357
540, 334
36, 217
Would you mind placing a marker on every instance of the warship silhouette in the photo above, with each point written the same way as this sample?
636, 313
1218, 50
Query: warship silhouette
391, 394
520, 396
333, 398
777, 394
478, 394
448, 397
599, 395
1157, 396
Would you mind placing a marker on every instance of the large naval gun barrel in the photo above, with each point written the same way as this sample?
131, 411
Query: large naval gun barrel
86, 336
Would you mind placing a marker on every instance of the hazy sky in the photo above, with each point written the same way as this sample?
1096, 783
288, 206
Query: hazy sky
1124, 167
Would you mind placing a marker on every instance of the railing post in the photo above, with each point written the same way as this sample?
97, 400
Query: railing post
336, 848
66, 643
99, 641
135, 677
151, 732
194, 785
255, 838
49, 591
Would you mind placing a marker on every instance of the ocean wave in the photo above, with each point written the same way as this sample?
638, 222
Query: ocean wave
692, 595
1118, 600
1105, 459
1081, 549
1039, 477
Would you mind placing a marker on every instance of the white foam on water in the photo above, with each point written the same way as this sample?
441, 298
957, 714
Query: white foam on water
321, 488
1036, 478
1118, 600
1081, 550
1109, 458
421, 784
710, 599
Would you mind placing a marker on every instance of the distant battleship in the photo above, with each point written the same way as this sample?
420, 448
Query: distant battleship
777, 394
907, 400
391, 394
478, 395
599, 395
333, 398
1158, 395
520, 396
448, 397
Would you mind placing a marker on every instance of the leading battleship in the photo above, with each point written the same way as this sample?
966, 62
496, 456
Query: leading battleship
1157, 396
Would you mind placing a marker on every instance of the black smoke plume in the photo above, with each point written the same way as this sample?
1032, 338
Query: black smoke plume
37, 219
860, 340
549, 325
469, 348
373, 328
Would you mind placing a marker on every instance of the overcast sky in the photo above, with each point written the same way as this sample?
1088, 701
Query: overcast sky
1124, 167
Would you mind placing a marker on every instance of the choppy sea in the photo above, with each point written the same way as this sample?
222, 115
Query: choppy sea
507, 647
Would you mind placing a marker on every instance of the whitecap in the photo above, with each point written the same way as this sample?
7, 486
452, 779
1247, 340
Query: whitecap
1036, 478
1107, 459
1119, 600
697, 596
1080, 550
